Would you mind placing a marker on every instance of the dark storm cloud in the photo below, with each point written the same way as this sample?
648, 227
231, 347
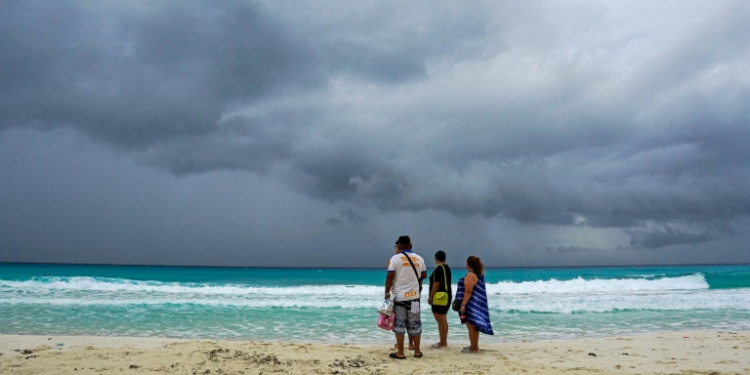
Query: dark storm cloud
235, 144
573, 115
667, 235
664, 143
138, 73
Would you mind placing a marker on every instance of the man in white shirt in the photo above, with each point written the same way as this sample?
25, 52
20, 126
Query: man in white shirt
406, 271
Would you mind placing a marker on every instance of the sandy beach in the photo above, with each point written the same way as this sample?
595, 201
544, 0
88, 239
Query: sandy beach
709, 353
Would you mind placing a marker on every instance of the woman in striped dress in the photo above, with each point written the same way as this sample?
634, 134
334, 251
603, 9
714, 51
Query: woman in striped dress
474, 310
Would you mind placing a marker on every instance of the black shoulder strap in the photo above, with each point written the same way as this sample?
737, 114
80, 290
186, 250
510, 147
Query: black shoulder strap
445, 280
412, 266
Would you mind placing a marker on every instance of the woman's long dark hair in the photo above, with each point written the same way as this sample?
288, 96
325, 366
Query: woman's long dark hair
476, 264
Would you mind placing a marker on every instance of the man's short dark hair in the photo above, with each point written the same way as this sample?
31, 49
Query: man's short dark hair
440, 256
403, 240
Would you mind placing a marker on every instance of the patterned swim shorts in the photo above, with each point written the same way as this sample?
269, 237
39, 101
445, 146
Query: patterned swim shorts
407, 320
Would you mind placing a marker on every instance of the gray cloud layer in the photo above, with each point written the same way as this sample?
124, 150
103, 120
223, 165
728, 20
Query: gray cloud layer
628, 116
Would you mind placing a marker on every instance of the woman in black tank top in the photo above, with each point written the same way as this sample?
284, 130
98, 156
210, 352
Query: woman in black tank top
440, 281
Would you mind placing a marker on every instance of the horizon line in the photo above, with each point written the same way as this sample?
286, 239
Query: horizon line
344, 268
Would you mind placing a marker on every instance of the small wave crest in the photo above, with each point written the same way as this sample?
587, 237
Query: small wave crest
190, 304
110, 285
580, 285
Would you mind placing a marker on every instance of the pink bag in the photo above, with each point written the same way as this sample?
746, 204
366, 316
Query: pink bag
386, 321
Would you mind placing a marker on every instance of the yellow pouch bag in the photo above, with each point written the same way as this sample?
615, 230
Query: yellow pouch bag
441, 298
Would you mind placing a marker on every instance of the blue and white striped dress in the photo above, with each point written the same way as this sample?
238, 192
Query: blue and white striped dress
477, 311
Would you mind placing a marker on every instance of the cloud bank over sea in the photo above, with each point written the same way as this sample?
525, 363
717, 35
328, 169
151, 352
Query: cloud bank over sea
288, 134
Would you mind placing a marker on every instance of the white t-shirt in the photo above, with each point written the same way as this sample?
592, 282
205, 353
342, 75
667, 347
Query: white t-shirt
406, 284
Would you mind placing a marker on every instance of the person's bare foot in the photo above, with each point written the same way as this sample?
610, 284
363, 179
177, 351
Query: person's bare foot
438, 345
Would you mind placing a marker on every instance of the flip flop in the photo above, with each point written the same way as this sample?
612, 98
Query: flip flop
418, 355
395, 356
467, 349
437, 346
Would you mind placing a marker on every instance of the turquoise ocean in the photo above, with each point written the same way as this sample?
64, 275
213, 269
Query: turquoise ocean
340, 305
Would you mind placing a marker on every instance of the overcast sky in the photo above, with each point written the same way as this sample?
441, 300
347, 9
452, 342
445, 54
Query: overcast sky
314, 133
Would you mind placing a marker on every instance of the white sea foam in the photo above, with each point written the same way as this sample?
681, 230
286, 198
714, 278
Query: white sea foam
313, 303
575, 286
560, 304
604, 303
91, 284
580, 285
551, 296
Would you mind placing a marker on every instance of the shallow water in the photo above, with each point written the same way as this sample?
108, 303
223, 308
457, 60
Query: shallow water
338, 305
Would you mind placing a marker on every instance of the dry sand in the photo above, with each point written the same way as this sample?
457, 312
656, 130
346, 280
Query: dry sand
674, 353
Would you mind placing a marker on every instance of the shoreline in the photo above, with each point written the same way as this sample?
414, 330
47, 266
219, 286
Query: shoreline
693, 352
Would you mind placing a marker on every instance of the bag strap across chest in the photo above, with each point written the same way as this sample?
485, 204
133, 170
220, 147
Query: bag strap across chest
412, 266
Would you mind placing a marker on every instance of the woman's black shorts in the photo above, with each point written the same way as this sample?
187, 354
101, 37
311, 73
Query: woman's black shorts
441, 309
